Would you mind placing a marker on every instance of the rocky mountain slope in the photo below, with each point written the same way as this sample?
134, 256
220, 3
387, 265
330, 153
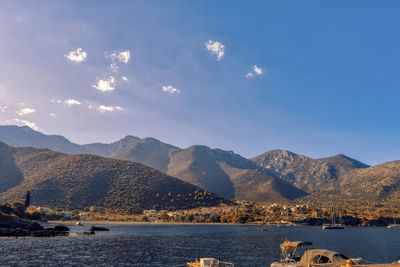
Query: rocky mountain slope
148, 151
381, 182
229, 175
336, 177
81, 181
311, 175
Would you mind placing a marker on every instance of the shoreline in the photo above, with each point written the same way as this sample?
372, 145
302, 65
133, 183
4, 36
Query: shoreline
128, 223
117, 223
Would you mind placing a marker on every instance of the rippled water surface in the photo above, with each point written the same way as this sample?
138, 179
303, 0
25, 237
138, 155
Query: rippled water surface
173, 245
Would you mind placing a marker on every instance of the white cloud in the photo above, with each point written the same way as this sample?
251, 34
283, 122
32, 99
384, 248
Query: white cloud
25, 111
3, 108
32, 125
103, 108
105, 85
52, 115
121, 56
124, 56
77, 56
216, 48
255, 72
125, 78
170, 89
118, 57
90, 107
71, 102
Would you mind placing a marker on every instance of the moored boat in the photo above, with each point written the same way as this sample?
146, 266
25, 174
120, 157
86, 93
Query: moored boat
209, 262
291, 252
333, 226
394, 224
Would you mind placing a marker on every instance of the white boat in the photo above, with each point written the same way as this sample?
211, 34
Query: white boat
333, 225
291, 252
394, 224
294, 255
209, 262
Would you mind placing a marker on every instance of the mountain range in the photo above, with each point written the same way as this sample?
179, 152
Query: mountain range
276, 175
222, 172
82, 181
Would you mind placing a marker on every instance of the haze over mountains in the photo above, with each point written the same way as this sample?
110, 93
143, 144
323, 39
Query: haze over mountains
276, 175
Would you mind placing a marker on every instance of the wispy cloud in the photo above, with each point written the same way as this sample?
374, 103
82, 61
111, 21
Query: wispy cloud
71, 102
32, 125
105, 85
52, 115
256, 70
125, 78
216, 48
118, 57
25, 111
79, 55
170, 89
103, 108
3, 109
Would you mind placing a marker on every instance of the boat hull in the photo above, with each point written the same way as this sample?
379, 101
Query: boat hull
333, 227
283, 264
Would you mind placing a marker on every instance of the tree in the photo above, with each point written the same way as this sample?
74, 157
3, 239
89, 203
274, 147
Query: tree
28, 199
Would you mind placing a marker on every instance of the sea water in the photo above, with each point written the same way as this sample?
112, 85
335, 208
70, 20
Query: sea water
174, 245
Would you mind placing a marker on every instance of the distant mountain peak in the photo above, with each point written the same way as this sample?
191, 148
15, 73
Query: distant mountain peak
130, 138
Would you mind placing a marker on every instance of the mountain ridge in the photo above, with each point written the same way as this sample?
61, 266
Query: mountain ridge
197, 164
235, 177
81, 181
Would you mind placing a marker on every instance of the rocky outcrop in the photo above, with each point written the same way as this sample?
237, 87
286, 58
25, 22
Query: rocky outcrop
12, 226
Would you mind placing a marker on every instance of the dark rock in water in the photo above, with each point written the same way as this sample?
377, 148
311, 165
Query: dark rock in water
48, 233
61, 228
13, 232
87, 233
95, 228
13, 226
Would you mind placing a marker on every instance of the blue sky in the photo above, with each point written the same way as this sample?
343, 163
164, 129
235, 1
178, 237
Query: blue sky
326, 79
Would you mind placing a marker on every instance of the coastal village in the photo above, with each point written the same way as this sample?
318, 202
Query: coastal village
242, 212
